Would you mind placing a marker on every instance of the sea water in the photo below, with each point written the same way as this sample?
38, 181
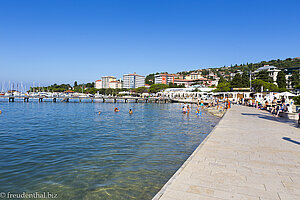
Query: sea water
72, 152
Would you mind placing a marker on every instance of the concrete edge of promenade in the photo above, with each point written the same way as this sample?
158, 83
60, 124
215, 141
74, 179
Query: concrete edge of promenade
163, 189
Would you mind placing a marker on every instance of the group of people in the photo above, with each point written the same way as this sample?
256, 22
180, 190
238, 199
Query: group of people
186, 108
116, 109
276, 106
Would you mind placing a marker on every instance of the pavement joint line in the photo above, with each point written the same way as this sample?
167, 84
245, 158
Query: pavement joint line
240, 155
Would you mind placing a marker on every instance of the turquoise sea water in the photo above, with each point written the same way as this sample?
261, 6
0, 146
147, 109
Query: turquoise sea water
71, 150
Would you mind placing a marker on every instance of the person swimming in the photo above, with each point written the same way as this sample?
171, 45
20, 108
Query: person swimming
99, 112
130, 111
116, 109
183, 109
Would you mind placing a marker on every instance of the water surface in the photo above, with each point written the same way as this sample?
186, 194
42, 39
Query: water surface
71, 150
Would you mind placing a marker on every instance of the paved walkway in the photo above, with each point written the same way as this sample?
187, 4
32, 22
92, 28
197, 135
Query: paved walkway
249, 155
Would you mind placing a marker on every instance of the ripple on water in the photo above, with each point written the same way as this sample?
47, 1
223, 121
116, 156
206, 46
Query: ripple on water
70, 150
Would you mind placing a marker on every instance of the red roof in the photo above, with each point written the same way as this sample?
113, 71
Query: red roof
98, 80
184, 80
69, 91
167, 75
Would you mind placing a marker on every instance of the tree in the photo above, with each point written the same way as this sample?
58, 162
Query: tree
157, 88
295, 79
223, 87
297, 100
258, 85
236, 81
245, 80
150, 79
221, 80
75, 84
141, 90
281, 81
264, 75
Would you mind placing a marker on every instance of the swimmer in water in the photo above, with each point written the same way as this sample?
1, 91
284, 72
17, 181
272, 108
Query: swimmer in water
183, 110
130, 111
116, 109
99, 112
0, 112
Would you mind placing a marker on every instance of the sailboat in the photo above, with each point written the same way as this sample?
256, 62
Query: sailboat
2, 93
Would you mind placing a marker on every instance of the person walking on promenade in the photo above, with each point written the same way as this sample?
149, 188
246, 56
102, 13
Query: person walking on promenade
228, 103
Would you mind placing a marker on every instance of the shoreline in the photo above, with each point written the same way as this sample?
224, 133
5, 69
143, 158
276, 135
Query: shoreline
188, 160
238, 160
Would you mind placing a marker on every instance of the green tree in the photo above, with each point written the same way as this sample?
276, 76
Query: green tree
221, 80
157, 88
141, 90
237, 81
223, 87
245, 80
75, 84
297, 100
150, 79
264, 75
258, 85
281, 81
295, 79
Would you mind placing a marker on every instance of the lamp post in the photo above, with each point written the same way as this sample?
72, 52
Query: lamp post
250, 80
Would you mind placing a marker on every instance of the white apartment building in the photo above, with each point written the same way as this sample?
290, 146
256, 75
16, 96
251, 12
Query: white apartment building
115, 84
106, 80
272, 70
164, 78
133, 80
98, 84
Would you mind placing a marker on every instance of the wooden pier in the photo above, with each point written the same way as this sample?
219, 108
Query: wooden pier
109, 99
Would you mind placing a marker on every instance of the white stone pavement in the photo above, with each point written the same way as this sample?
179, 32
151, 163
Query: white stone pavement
249, 155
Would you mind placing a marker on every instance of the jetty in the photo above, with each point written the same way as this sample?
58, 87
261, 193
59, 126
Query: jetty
249, 155
103, 99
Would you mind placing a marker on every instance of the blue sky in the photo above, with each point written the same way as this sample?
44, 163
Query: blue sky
61, 41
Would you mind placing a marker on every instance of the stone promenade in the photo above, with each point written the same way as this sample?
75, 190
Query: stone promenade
249, 155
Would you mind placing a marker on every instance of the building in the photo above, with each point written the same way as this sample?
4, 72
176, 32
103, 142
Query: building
272, 70
115, 84
164, 78
98, 84
193, 76
133, 81
232, 74
106, 80
288, 74
186, 83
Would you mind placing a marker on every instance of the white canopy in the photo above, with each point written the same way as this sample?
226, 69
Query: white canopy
286, 94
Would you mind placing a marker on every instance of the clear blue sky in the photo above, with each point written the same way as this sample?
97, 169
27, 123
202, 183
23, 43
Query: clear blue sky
61, 41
